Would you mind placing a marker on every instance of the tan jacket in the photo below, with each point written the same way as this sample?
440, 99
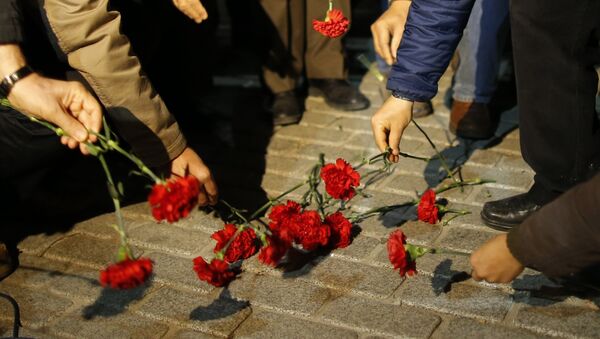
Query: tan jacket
90, 36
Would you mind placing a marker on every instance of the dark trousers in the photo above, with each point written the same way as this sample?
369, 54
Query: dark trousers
555, 49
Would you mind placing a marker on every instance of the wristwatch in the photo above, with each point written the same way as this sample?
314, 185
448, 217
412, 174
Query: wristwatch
10, 80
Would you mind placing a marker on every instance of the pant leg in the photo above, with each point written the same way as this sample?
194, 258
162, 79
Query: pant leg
555, 49
324, 56
285, 59
480, 50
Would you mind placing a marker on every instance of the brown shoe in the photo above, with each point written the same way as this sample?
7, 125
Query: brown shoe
422, 109
9, 260
471, 120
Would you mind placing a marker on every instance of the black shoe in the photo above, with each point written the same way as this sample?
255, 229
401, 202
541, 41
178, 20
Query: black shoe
339, 94
286, 108
502, 215
9, 260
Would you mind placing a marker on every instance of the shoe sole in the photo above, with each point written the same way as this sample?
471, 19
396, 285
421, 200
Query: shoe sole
498, 226
476, 136
315, 92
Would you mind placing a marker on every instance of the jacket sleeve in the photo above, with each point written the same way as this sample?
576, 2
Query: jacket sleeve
563, 237
10, 22
89, 34
433, 30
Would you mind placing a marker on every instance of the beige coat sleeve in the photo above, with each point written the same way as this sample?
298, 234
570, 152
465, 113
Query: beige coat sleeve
90, 36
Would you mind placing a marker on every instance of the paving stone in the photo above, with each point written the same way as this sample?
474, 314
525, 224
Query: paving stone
376, 199
359, 278
177, 272
513, 162
316, 119
101, 226
263, 324
138, 211
465, 239
38, 307
295, 167
462, 299
121, 326
212, 314
276, 184
468, 328
274, 292
382, 318
441, 137
559, 318
472, 220
170, 239
34, 271
484, 157
76, 282
321, 135
200, 220
352, 124
360, 247
509, 146
486, 194
39, 243
520, 179
285, 146
407, 184
84, 250
439, 264
332, 153
189, 334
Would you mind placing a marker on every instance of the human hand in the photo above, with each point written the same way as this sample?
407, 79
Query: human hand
188, 162
388, 30
493, 262
193, 9
388, 124
67, 104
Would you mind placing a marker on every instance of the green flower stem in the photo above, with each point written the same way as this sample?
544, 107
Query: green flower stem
447, 251
330, 5
139, 163
117, 203
379, 210
4, 102
468, 182
274, 200
439, 155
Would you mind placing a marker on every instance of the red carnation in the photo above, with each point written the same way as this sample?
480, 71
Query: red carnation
217, 273
341, 230
272, 253
127, 273
309, 231
340, 179
334, 26
242, 247
282, 219
398, 255
427, 210
174, 199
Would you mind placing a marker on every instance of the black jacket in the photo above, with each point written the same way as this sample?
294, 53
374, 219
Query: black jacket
11, 30
562, 238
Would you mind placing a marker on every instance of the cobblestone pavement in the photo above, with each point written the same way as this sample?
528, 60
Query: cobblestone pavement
350, 293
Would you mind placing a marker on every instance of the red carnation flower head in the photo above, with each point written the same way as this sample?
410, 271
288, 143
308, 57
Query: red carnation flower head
217, 273
242, 247
282, 219
125, 274
174, 199
334, 26
399, 257
427, 210
310, 232
340, 180
341, 230
271, 254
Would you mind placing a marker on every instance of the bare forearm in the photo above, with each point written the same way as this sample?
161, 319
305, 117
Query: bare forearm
11, 59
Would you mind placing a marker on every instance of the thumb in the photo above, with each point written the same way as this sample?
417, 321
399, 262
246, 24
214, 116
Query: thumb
70, 125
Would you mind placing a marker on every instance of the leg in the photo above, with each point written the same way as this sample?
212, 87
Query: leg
285, 59
555, 50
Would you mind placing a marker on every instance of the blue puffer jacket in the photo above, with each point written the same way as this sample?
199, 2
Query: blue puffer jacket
433, 30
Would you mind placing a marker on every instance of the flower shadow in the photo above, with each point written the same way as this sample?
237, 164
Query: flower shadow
444, 276
224, 306
112, 302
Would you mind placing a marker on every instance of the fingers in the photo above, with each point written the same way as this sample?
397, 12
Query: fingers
395, 137
209, 194
395, 44
382, 36
70, 125
87, 110
380, 132
193, 9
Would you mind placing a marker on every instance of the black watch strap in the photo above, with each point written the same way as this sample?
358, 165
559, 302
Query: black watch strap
10, 80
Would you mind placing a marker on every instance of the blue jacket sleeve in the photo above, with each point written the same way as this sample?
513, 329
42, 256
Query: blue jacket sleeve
10, 22
432, 32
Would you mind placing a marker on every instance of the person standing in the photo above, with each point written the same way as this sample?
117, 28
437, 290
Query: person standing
296, 49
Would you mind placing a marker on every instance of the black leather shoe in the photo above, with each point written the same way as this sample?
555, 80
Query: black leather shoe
502, 215
286, 109
339, 94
